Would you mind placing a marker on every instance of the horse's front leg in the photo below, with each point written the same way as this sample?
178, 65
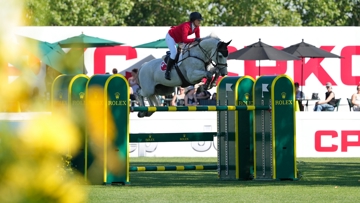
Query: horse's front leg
196, 76
213, 82
209, 79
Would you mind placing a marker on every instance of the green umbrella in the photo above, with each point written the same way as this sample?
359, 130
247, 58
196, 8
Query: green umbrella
161, 43
50, 54
84, 41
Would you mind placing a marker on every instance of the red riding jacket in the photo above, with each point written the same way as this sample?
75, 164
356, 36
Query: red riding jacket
181, 32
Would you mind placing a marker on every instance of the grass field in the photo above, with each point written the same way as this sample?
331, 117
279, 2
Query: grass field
324, 180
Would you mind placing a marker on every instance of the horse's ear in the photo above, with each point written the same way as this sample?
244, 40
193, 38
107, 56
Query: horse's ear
228, 43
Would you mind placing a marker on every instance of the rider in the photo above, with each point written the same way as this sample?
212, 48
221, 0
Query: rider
179, 34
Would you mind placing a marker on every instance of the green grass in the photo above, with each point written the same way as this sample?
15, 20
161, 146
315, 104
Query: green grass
324, 180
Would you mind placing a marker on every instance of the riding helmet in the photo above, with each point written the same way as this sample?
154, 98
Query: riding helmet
195, 16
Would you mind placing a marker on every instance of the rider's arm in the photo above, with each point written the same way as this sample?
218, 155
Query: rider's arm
197, 32
353, 100
173, 101
196, 101
185, 31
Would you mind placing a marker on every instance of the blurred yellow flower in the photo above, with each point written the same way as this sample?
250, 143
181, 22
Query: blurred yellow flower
52, 133
31, 167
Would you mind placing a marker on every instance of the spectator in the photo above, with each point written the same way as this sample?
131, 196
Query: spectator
178, 99
133, 80
355, 99
190, 97
114, 71
329, 103
162, 100
299, 96
132, 96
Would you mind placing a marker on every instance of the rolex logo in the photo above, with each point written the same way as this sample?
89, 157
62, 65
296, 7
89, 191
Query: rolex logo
60, 95
117, 95
81, 95
246, 96
283, 95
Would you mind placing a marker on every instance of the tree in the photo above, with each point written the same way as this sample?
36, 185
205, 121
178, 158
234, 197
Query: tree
33, 12
254, 13
77, 12
354, 16
173, 12
323, 12
164, 13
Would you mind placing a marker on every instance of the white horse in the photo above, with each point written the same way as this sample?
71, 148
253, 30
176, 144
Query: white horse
198, 61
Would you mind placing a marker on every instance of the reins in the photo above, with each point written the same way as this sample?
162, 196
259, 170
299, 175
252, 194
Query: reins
209, 58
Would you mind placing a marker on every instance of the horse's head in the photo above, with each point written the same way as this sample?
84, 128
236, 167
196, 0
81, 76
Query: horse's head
216, 53
221, 57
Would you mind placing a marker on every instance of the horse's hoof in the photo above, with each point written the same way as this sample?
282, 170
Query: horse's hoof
141, 114
148, 114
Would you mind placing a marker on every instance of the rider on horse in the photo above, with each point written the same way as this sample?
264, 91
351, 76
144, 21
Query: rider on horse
179, 34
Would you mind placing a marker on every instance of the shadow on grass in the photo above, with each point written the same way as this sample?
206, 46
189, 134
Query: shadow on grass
314, 173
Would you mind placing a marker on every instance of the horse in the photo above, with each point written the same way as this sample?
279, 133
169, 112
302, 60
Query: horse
199, 60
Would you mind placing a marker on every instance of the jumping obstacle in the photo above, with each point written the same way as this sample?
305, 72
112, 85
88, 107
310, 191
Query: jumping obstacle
254, 140
173, 168
198, 108
172, 137
68, 91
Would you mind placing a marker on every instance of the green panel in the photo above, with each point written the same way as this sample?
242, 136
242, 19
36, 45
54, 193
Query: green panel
60, 91
226, 128
77, 88
94, 141
244, 97
117, 130
263, 149
173, 137
284, 127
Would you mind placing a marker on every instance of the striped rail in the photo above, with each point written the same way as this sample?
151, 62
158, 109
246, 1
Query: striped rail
172, 137
173, 168
197, 108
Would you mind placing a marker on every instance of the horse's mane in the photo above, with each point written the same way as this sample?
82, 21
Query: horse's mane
211, 36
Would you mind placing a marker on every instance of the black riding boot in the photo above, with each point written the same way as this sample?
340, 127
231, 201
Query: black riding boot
170, 64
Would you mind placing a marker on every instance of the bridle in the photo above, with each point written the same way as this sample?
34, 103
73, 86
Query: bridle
208, 59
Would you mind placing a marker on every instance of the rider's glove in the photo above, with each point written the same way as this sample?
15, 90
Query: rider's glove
197, 39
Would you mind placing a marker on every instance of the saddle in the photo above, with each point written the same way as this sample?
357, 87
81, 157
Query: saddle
167, 56
184, 82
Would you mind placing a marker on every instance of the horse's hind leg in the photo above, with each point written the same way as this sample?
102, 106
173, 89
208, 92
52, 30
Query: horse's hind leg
153, 101
140, 98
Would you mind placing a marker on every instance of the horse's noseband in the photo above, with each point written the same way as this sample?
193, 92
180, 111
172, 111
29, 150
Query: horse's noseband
223, 52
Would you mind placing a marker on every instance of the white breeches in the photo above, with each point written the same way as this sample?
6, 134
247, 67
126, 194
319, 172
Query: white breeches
172, 46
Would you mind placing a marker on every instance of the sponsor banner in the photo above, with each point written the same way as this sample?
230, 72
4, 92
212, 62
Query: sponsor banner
168, 122
328, 134
343, 73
